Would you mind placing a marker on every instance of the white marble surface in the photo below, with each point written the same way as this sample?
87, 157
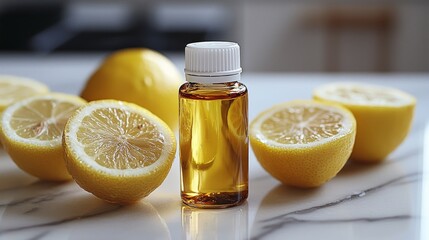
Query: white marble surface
383, 201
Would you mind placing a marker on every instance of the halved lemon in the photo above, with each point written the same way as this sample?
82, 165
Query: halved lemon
31, 131
383, 115
303, 143
13, 89
118, 151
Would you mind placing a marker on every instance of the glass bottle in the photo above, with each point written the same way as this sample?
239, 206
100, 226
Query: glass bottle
213, 127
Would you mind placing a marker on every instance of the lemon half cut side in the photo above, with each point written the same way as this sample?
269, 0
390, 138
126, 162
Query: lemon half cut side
383, 115
31, 132
303, 143
118, 151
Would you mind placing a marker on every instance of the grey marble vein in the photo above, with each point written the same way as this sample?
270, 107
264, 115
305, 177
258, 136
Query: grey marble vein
292, 220
376, 219
34, 209
396, 181
35, 199
35, 184
40, 235
274, 223
61, 221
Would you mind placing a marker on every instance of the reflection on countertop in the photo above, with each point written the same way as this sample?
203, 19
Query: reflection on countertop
214, 223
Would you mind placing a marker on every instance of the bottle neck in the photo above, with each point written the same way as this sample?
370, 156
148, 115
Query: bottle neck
213, 79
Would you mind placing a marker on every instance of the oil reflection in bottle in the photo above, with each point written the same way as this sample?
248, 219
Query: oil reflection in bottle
229, 223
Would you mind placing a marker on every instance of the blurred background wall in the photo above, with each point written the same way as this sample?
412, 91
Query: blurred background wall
294, 36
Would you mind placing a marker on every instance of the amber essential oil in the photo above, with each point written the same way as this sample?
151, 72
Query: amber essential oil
213, 137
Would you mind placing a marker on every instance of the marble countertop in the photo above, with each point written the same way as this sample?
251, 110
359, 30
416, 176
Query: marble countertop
382, 201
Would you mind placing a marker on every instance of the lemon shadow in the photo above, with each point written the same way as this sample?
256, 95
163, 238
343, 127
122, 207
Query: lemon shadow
139, 219
353, 168
11, 176
284, 195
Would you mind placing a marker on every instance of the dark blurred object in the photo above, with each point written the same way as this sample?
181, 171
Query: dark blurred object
96, 26
106, 26
19, 24
337, 20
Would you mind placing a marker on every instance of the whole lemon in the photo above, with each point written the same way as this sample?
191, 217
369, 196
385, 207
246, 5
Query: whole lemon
141, 76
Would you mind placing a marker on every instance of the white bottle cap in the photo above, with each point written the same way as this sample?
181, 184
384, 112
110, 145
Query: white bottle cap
212, 62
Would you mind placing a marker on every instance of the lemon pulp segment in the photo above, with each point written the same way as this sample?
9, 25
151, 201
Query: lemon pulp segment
120, 139
301, 125
42, 119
